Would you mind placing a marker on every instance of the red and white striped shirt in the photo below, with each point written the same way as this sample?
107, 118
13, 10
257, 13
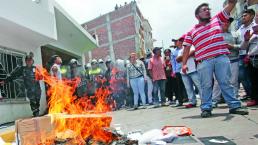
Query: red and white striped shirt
207, 39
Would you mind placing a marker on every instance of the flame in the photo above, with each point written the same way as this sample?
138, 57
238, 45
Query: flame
77, 118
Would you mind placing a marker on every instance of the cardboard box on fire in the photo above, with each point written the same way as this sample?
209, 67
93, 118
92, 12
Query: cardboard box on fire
34, 131
39, 130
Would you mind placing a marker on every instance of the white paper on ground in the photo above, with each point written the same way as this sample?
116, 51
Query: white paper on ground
134, 135
151, 135
156, 135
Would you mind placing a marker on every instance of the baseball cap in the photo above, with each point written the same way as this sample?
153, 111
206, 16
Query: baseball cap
156, 49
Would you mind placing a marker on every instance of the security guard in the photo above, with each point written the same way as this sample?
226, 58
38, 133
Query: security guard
95, 74
32, 85
77, 72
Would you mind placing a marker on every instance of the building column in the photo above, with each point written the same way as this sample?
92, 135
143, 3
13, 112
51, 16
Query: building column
110, 40
83, 60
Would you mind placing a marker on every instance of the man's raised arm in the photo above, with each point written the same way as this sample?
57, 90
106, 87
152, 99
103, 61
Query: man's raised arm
230, 6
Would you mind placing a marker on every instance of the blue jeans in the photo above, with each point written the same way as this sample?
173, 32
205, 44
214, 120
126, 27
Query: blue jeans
137, 85
243, 76
190, 80
220, 66
159, 85
216, 94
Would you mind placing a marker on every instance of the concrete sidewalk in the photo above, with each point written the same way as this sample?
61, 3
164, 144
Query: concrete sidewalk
242, 130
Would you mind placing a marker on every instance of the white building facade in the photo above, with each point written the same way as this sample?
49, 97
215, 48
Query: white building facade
41, 27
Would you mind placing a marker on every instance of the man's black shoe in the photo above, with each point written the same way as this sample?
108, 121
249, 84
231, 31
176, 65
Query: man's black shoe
206, 114
245, 98
239, 111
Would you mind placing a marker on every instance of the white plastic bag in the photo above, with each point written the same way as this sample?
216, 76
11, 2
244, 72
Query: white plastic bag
149, 136
156, 136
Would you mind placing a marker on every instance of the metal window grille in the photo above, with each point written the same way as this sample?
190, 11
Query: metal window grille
9, 60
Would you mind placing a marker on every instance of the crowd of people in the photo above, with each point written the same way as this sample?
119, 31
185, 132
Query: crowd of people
209, 61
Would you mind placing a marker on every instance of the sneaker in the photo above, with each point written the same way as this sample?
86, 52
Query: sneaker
172, 103
239, 111
245, 98
251, 103
164, 104
206, 114
167, 103
214, 104
143, 107
190, 105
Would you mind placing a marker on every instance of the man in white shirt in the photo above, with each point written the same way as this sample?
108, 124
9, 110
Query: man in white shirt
55, 69
247, 24
191, 78
251, 45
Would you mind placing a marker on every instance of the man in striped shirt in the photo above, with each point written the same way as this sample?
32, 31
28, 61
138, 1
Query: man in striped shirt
210, 54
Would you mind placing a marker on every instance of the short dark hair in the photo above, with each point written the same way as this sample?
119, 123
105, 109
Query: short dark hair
28, 57
249, 11
167, 50
156, 49
199, 7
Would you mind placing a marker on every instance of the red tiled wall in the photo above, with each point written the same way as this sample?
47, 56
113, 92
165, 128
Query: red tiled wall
123, 28
100, 53
102, 35
99, 21
124, 48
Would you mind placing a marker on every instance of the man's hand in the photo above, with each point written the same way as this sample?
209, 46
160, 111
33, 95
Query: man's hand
230, 6
247, 35
230, 46
184, 69
128, 84
173, 75
1, 83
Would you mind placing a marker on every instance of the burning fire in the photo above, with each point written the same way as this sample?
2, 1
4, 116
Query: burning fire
78, 118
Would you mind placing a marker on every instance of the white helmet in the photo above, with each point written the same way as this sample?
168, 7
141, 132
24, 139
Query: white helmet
74, 61
94, 61
100, 61
88, 65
